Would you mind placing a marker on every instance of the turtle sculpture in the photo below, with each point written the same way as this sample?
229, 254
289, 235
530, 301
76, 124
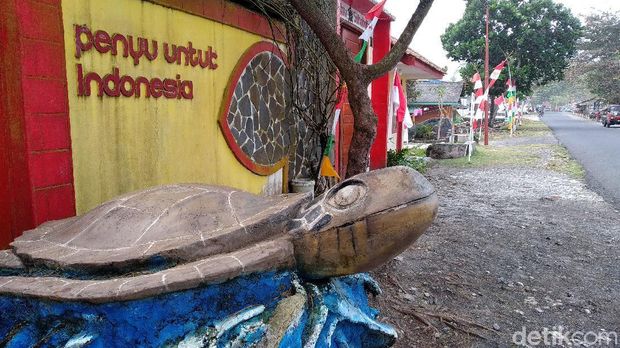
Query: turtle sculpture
177, 237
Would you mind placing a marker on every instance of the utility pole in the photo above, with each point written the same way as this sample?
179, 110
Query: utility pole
486, 77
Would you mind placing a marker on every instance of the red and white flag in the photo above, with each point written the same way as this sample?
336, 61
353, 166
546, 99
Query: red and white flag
376, 10
495, 74
400, 103
482, 100
343, 97
499, 100
476, 81
478, 89
373, 17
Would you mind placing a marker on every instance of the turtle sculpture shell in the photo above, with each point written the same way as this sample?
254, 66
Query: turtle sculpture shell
176, 222
177, 237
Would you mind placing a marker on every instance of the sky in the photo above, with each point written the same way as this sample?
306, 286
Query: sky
443, 12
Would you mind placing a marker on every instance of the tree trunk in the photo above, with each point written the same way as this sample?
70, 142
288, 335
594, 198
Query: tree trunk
452, 127
358, 76
364, 127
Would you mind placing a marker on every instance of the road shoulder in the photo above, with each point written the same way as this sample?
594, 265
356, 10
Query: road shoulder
517, 243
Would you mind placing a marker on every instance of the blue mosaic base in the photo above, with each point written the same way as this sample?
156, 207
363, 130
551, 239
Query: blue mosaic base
234, 313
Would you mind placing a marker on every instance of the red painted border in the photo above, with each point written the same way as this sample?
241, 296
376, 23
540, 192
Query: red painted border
46, 109
248, 55
229, 13
35, 112
15, 188
432, 114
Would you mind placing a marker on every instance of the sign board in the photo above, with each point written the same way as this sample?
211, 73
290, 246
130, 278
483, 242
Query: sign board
146, 86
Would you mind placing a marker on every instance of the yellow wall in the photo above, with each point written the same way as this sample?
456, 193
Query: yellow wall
125, 144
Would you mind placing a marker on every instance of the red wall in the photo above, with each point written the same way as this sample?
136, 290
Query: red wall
5, 212
15, 192
350, 36
36, 176
380, 96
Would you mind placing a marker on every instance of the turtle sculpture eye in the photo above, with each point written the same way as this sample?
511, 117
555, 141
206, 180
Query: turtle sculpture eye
348, 195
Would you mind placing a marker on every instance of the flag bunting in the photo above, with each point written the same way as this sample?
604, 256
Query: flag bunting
478, 89
499, 100
327, 168
399, 102
373, 17
495, 75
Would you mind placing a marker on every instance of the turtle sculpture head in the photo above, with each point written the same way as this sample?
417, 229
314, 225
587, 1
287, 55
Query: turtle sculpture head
363, 222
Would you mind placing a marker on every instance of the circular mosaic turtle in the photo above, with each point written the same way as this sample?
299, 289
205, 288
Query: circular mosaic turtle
177, 237
254, 115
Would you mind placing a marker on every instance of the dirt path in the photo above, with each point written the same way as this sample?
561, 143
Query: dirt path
513, 247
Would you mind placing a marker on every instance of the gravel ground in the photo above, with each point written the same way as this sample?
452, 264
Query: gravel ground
512, 249
548, 139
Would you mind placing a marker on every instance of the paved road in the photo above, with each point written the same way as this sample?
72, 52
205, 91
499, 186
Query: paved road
595, 147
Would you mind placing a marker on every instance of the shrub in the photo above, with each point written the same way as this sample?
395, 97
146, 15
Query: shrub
412, 158
424, 131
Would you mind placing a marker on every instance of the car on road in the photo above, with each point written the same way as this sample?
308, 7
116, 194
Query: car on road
610, 115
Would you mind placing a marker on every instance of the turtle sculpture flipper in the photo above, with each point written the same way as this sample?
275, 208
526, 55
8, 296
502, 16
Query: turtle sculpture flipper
268, 255
179, 237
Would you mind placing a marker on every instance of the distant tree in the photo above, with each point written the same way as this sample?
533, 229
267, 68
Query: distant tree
441, 94
538, 37
568, 91
598, 61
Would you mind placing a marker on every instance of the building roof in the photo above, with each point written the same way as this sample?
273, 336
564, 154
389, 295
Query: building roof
415, 66
428, 92
366, 5
410, 51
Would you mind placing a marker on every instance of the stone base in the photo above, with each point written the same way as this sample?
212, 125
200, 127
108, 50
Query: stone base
269, 309
445, 151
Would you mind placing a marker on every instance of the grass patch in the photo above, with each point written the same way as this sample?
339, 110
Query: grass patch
415, 151
529, 128
561, 161
532, 128
490, 156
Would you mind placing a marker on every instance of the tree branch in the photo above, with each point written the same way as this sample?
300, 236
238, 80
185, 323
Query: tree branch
328, 36
358, 76
398, 50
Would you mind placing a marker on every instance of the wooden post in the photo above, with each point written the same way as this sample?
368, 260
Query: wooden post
486, 77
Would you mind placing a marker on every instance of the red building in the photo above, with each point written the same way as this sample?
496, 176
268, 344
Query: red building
413, 66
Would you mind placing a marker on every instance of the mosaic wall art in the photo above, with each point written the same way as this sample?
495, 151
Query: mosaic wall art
255, 121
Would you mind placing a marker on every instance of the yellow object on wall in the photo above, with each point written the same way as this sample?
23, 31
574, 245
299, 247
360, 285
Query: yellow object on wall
122, 144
